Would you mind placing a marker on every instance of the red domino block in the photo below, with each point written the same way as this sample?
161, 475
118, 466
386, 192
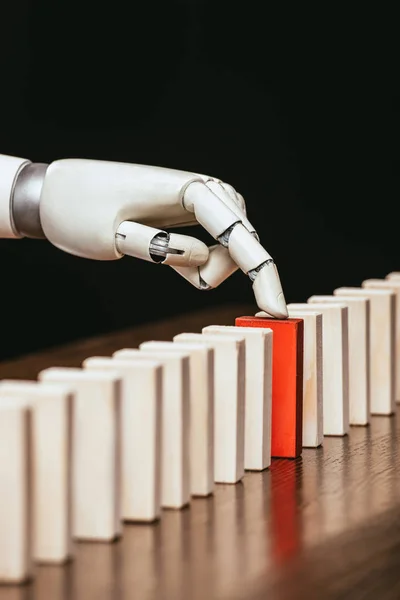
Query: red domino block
287, 383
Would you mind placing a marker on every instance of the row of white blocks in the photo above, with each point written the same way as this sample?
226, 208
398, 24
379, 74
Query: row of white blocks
351, 356
359, 350
84, 449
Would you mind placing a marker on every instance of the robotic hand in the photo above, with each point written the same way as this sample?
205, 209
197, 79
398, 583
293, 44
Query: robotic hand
104, 210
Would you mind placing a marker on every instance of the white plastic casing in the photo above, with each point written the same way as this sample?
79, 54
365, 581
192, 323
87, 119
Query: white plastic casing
83, 202
211, 212
215, 271
134, 239
245, 250
231, 199
10, 166
140, 234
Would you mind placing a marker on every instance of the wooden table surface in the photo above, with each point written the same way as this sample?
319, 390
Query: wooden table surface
324, 526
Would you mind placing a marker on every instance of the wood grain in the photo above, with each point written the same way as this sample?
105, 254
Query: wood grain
326, 525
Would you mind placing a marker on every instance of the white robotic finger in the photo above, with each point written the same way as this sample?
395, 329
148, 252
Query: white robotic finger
210, 211
268, 292
184, 250
206, 178
230, 190
242, 202
245, 250
218, 267
237, 198
219, 190
255, 261
155, 245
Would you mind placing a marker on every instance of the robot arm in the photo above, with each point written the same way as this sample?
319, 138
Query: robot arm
105, 210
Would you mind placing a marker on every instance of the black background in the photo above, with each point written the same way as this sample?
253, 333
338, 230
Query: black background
297, 108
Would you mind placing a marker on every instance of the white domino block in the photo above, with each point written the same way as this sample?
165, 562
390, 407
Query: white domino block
15, 492
175, 457
229, 402
201, 417
141, 406
258, 392
313, 408
335, 365
382, 344
201, 440
51, 406
394, 285
96, 457
393, 275
359, 361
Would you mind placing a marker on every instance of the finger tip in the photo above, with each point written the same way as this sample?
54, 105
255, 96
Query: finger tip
269, 294
199, 254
